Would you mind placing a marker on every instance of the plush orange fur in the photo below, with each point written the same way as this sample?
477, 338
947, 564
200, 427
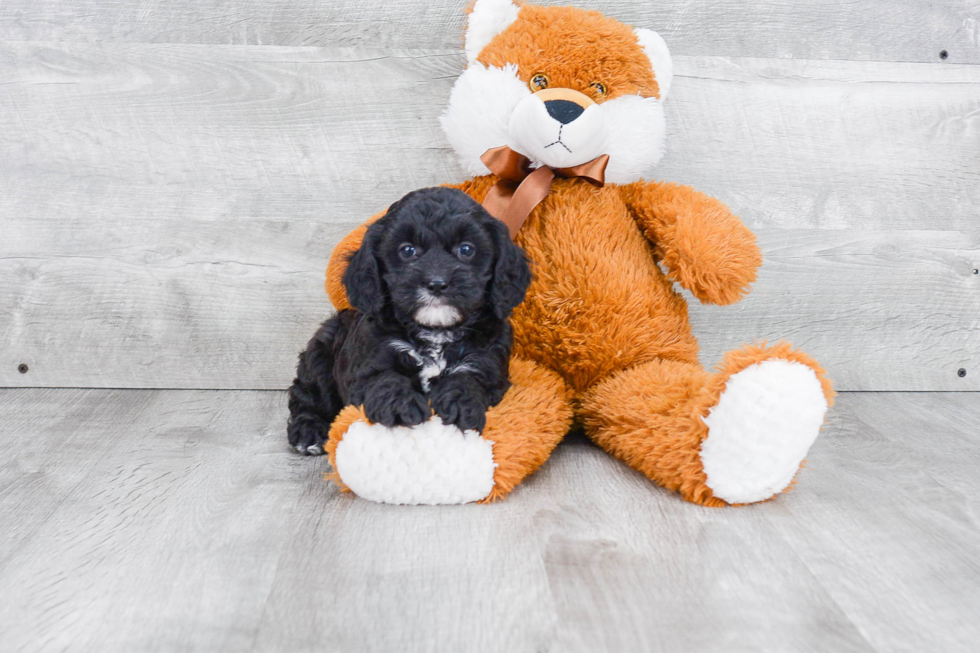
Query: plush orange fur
341, 423
704, 247
574, 48
600, 312
649, 416
527, 425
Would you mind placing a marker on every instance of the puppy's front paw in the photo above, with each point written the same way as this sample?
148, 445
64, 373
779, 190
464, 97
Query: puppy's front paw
408, 408
457, 404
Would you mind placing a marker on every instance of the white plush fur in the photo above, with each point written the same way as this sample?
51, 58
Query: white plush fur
490, 107
761, 429
488, 18
637, 135
545, 140
656, 50
431, 464
478, 115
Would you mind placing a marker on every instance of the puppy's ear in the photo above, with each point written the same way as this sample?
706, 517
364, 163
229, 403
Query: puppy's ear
362, 278
511, 274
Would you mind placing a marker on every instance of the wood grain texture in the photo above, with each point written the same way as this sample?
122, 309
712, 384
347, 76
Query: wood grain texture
908, 465
173, 516
881, 310
907, 30
893, 310
193, 132
168, 210
179, 520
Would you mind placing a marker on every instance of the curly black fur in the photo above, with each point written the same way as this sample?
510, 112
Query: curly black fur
432, 286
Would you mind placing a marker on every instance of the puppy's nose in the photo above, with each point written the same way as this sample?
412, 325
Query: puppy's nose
437, 284
564, 111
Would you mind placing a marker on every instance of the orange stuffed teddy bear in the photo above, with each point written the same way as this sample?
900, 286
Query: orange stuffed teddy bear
558, 113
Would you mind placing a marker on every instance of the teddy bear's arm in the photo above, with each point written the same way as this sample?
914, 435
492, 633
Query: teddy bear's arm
705, 248
476, 188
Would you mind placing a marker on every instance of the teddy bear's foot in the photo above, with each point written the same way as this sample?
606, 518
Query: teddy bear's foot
736, 436
432, 463
760, 430
435, 463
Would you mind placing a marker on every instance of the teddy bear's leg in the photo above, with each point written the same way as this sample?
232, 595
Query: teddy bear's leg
435, 463
735, 436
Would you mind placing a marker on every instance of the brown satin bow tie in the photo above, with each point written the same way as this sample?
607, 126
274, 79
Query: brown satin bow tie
520, 188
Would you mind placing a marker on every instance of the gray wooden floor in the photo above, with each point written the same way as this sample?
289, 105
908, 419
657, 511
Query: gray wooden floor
163, 520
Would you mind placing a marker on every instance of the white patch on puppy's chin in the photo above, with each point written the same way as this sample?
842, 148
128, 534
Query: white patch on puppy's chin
437, 316
479, 110
435, 312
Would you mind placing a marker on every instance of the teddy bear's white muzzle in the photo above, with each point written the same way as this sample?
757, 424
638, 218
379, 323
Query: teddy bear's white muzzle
558, 133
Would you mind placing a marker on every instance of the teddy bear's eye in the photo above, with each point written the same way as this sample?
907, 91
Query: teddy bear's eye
538, 82
598, 88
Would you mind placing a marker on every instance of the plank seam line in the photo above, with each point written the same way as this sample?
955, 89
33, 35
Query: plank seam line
440, 52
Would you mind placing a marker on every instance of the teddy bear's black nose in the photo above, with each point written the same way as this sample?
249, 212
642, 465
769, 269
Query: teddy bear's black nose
564, 111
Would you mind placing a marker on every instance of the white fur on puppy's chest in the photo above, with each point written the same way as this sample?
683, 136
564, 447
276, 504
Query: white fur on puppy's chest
433, 365
431, 356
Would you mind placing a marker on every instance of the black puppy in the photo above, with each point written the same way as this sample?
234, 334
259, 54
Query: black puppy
431, 285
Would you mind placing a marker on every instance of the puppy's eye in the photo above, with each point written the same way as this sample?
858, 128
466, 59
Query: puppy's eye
465, 250
598, 89
407, 251
538, 82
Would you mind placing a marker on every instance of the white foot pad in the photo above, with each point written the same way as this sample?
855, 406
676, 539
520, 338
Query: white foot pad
428, 464
760, 431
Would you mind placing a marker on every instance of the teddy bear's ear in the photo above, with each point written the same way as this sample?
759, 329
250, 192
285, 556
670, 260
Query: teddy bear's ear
487, 19
656, 50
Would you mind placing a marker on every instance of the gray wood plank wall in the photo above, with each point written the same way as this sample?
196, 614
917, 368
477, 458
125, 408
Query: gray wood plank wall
877, 30
168, 202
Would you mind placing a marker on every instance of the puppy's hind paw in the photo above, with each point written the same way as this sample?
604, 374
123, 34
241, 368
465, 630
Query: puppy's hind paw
307, 435
312, 450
